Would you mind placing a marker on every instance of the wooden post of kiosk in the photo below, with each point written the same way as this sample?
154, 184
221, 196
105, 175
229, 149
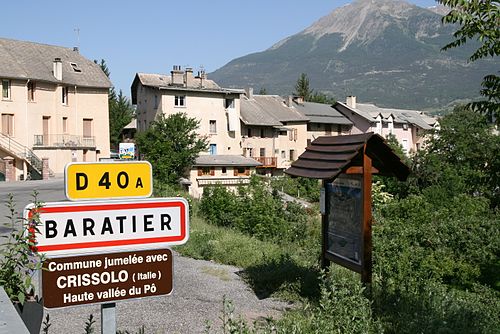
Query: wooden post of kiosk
366, 274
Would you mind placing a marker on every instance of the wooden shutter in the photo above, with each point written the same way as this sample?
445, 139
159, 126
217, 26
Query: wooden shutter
200, 171
212, 171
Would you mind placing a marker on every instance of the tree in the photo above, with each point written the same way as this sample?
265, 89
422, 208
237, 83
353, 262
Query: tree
121, 113
302, 87
171, 144
480, 20
462, 157
120, 109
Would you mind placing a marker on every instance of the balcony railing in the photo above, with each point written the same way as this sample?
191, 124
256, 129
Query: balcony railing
225, 181
63, 140
267, 162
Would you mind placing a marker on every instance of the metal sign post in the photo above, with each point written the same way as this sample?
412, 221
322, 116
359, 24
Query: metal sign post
108, 318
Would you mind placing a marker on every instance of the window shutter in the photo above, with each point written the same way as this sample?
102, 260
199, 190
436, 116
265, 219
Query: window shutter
295, 134
200, 171
212, 171
235, 171
247, 171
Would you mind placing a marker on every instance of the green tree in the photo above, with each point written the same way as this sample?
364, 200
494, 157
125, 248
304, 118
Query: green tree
462, 157
120, 109
121, 113
171, 144
479, 20
302, 87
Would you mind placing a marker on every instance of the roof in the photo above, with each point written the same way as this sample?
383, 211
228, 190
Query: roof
370, 112
28, 60
225, 160
321, 113
268, 110
164, 82
329, 156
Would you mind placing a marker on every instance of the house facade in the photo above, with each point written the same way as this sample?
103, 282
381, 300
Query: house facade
217, 109
273, 133
54, 105
408, 126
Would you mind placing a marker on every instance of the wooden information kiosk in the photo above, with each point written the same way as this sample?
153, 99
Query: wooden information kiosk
346, 164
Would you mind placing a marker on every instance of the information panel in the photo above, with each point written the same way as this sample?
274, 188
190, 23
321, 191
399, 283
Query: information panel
106, 278
345, 218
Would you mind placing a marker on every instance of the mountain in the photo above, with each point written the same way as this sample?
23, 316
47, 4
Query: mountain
383, 51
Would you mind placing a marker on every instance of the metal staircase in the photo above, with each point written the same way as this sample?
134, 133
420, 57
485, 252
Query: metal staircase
22, 152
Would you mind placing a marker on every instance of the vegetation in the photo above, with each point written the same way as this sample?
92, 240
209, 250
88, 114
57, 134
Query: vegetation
18, 262
436, 246
171, 145
121, 111
299, 187
478, 20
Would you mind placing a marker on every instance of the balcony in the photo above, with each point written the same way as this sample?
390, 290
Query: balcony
63, 141
267, 162
225, 181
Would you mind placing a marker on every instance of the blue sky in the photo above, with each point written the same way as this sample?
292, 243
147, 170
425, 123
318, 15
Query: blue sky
153, 35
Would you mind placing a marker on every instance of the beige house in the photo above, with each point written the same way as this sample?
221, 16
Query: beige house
217, 109
54, 105
272, 132
229, 171
408, 126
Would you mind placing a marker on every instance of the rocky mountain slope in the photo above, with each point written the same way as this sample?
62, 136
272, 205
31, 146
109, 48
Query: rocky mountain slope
383, 51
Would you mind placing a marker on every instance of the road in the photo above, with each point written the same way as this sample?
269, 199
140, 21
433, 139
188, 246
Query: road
199, 287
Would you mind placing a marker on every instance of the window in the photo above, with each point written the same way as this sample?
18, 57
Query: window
250, 152
229, 103
87, 128
282, 133
262, 152
224, 170
6, 89
180, 101
240, 171
262, 133
212, 149
292, 134
75, 67
31, 91
283, 154
213, 126
206, 171
249, 132
64, 97
405, 146
65, 124
292, 155
8, 124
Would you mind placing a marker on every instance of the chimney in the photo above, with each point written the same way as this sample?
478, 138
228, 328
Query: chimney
57, 69
249, 92
351, 101
298, 99
177, 76
188, 77
202, 76
76, 49
289, 101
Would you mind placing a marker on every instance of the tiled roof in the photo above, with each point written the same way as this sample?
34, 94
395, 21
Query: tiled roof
28, 60
164, 81
371, 111
329, 156
225, 160
321, 113
268, 110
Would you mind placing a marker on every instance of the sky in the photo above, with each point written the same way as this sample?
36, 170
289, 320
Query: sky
151, 36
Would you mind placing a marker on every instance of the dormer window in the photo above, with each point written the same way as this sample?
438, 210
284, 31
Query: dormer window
75, 67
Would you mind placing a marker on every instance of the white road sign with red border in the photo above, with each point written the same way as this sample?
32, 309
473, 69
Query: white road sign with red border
77, 228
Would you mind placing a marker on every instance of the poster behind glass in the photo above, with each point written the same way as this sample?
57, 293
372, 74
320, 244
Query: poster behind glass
345, 218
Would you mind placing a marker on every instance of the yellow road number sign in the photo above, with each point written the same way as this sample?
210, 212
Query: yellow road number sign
92, 180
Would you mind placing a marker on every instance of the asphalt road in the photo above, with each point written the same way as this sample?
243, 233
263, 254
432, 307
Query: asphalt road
199, 287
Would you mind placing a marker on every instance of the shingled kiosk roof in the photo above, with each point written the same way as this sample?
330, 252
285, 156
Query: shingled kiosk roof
327, 157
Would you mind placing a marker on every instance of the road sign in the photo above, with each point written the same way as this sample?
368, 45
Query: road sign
105, 226
98, 180
106, 278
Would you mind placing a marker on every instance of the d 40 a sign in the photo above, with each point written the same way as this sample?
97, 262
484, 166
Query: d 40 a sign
96, 180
